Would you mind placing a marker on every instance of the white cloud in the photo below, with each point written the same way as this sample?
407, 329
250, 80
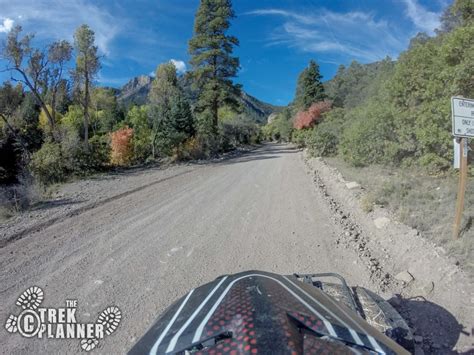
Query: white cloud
56, 19
289, 14
7, 25
179, 65
356, 35
423, 19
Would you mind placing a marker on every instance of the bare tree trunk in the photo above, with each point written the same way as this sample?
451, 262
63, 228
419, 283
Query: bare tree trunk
40, 101
215, 103
153, 142
215, 114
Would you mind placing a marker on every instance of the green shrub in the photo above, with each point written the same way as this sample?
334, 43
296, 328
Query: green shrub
325, 137
81, 161
166, 141
323, 142
137, 118
190, 150
238, 131
142, 148
94, 159
370, 137
49, 165
284, 128
280, 128
203, 145
55, 162
434, 163
301, 136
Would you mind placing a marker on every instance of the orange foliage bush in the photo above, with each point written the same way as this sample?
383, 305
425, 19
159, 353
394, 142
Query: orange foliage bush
121, 146
308, 118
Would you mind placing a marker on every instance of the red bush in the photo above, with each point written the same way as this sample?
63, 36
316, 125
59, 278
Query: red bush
121, 146
308, 118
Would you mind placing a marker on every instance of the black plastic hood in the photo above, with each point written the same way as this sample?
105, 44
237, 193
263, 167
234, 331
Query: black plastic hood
258, 312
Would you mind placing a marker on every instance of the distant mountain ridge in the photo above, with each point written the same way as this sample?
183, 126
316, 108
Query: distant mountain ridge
135, 92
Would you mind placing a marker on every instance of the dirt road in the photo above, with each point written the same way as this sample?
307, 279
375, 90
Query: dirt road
142, 251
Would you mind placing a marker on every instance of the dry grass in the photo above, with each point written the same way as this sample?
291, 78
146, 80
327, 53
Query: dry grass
421, 201
17, 198
367, 202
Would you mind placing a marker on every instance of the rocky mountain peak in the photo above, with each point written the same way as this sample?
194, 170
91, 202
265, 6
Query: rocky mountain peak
137, 83
135, 92
136, 89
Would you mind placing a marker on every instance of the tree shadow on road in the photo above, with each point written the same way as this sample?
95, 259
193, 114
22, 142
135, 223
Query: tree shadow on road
275, 151
117, 172
44, 205
246, 159
438, 328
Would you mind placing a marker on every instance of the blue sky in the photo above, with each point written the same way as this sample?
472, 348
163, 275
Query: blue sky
277, 38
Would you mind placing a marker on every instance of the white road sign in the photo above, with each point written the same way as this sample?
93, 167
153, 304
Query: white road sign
463, 117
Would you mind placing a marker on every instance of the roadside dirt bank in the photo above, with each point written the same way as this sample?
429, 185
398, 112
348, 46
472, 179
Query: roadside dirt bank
422, 282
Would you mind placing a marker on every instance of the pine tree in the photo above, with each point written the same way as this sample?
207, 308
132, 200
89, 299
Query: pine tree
170, 113
336, 89
181, 116
213, 64
309, 88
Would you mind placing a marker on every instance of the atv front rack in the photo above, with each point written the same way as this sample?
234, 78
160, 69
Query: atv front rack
310, 279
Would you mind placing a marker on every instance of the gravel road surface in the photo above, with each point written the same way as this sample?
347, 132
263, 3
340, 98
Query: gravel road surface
143, 250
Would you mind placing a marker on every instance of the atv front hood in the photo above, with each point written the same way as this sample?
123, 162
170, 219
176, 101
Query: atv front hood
258, 312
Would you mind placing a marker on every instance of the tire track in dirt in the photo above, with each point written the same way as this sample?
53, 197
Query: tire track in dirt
40, 226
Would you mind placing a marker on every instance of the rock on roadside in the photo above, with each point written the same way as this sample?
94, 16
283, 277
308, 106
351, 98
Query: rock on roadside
381, 222
405, 277
352, 185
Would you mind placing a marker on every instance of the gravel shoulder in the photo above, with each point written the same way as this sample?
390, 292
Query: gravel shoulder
142, 239
426, 285
75, 197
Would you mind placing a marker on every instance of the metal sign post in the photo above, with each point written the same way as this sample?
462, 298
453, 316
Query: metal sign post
457, 153
463, 128
461, 187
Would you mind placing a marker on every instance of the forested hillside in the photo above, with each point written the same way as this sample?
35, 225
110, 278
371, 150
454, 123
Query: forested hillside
393, 111
387, 125
56, 123
136, 91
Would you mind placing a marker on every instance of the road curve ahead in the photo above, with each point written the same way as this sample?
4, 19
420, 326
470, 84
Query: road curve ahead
143, 251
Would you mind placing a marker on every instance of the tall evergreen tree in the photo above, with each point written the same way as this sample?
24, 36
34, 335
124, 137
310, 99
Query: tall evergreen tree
213, 64
87, 66
170, 113
309, 88
336, 89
